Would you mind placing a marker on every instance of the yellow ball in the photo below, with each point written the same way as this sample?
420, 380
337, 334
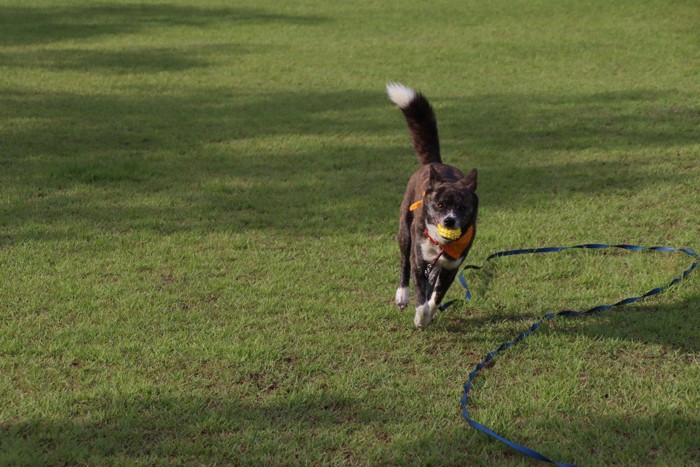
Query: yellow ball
450, 234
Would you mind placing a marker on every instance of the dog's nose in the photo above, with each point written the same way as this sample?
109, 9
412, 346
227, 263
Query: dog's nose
449, 222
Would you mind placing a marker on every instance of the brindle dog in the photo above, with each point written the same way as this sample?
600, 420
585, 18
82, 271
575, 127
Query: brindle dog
438, 213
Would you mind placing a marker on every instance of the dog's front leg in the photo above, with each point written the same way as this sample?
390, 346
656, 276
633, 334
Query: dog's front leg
428, 308
402, 292
424, 306
442, 285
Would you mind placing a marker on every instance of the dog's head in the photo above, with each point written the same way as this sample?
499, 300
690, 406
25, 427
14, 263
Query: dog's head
451, 201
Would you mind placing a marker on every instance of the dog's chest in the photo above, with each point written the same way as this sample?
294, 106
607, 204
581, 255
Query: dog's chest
430, 251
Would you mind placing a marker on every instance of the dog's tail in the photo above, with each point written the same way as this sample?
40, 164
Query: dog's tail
421, 121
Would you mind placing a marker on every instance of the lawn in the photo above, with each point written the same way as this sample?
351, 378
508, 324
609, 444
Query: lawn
198, 209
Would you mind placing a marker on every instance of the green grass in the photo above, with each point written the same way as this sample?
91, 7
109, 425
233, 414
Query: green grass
198, 205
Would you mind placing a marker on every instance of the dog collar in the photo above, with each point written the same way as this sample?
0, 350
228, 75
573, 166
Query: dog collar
456, 248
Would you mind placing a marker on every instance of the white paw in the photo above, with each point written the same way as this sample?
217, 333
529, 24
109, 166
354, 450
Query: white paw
402, 295
424, 315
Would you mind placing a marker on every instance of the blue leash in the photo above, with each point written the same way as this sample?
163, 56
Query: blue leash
506, 345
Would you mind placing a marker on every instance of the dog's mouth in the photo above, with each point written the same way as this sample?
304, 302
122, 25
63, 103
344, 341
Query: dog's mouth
449, 233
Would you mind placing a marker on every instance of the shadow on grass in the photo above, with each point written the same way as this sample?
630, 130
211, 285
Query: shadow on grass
614, 120
169, 159
319, 429
138, 59
188, 158
668, 439
165, 429
671, 325
186, 150
26, 25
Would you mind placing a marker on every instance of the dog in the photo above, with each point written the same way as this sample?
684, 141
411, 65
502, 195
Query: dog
437, 224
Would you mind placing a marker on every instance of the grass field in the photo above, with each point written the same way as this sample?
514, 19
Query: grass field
198, 206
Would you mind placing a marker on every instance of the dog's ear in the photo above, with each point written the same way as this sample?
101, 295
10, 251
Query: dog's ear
470, 180
435, 177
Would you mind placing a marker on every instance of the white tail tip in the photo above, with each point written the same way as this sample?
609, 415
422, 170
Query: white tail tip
400, 94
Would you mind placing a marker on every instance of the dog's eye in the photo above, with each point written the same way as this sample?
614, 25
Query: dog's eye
441, 205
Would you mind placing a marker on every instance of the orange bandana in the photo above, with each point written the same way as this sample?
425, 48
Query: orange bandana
455, 249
